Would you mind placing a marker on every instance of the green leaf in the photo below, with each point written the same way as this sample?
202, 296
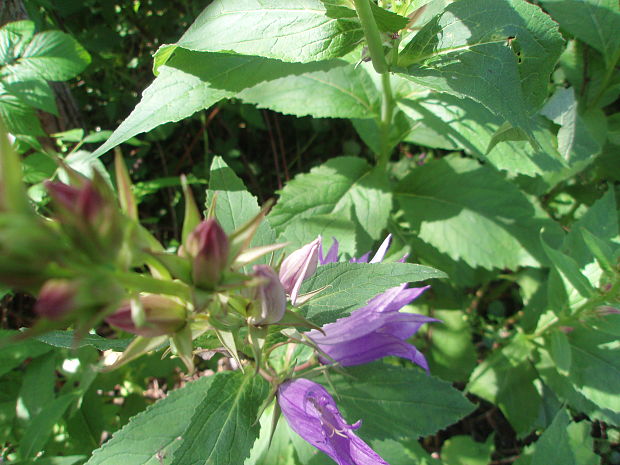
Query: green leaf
350, 286
302, 231
396, 402
155, 432
500, 53
575, 143
471, 212
235, 206
444, 121
596, 22
506, 378
191, 81
346, 186
295, 32
40, 428
49, 55
553, 446
37, 390
595, 367
224, 425
463, 450
12, 355
66, 340
340, 92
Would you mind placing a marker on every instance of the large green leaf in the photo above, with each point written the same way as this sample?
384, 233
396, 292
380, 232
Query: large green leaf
66, 340
396, 402
14, 353
224, 425
349, 286
340, 92
470, 212
444, 121
191, 81
155, 432
500, 53
293, 31
347, 186
596, 22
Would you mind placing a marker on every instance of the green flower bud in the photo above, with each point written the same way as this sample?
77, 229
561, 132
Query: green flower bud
208, 247
163, 316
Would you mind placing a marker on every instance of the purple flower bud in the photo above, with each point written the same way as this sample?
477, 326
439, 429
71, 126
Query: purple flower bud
82, 201
374, 331
162, 316
57, 299
208, 246
299, 266
270, 299
312, 413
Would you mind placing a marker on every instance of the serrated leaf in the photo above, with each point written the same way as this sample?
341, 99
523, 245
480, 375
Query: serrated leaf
346, 186
155, 432
350, 286
471, 212
304, 230
596, 22
224, 425
444, 121
383, 398
499, 53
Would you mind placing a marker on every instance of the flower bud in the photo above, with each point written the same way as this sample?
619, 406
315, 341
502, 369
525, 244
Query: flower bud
270, 299
299, 266
85, 201
208, 247
162, 316
57, 299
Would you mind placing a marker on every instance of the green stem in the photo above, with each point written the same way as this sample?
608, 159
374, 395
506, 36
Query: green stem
372, 35
387, 112
144, 283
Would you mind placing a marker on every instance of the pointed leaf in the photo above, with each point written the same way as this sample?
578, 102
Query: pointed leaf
224, 425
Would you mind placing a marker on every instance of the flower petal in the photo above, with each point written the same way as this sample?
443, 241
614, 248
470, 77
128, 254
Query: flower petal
312, 413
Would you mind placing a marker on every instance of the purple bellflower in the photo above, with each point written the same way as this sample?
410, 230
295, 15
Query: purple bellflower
374, 331
312, 413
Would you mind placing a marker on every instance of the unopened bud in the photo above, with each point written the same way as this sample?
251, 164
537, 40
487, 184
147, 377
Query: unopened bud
85, 201
299, 266
270, 299
57, 299
208, 247
162, 316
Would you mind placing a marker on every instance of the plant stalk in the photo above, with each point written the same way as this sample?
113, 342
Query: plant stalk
372, 35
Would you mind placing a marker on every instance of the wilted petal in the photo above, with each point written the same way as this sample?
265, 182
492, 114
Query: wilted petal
374, 331
312, 413
383, 248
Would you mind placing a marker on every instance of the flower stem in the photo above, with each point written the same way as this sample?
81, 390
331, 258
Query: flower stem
372, 35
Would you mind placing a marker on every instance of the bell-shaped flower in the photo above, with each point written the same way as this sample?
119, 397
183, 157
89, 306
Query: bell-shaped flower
208, 246
332, 253
299, 266
377, 330
269, 297
162, 316
312, 413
